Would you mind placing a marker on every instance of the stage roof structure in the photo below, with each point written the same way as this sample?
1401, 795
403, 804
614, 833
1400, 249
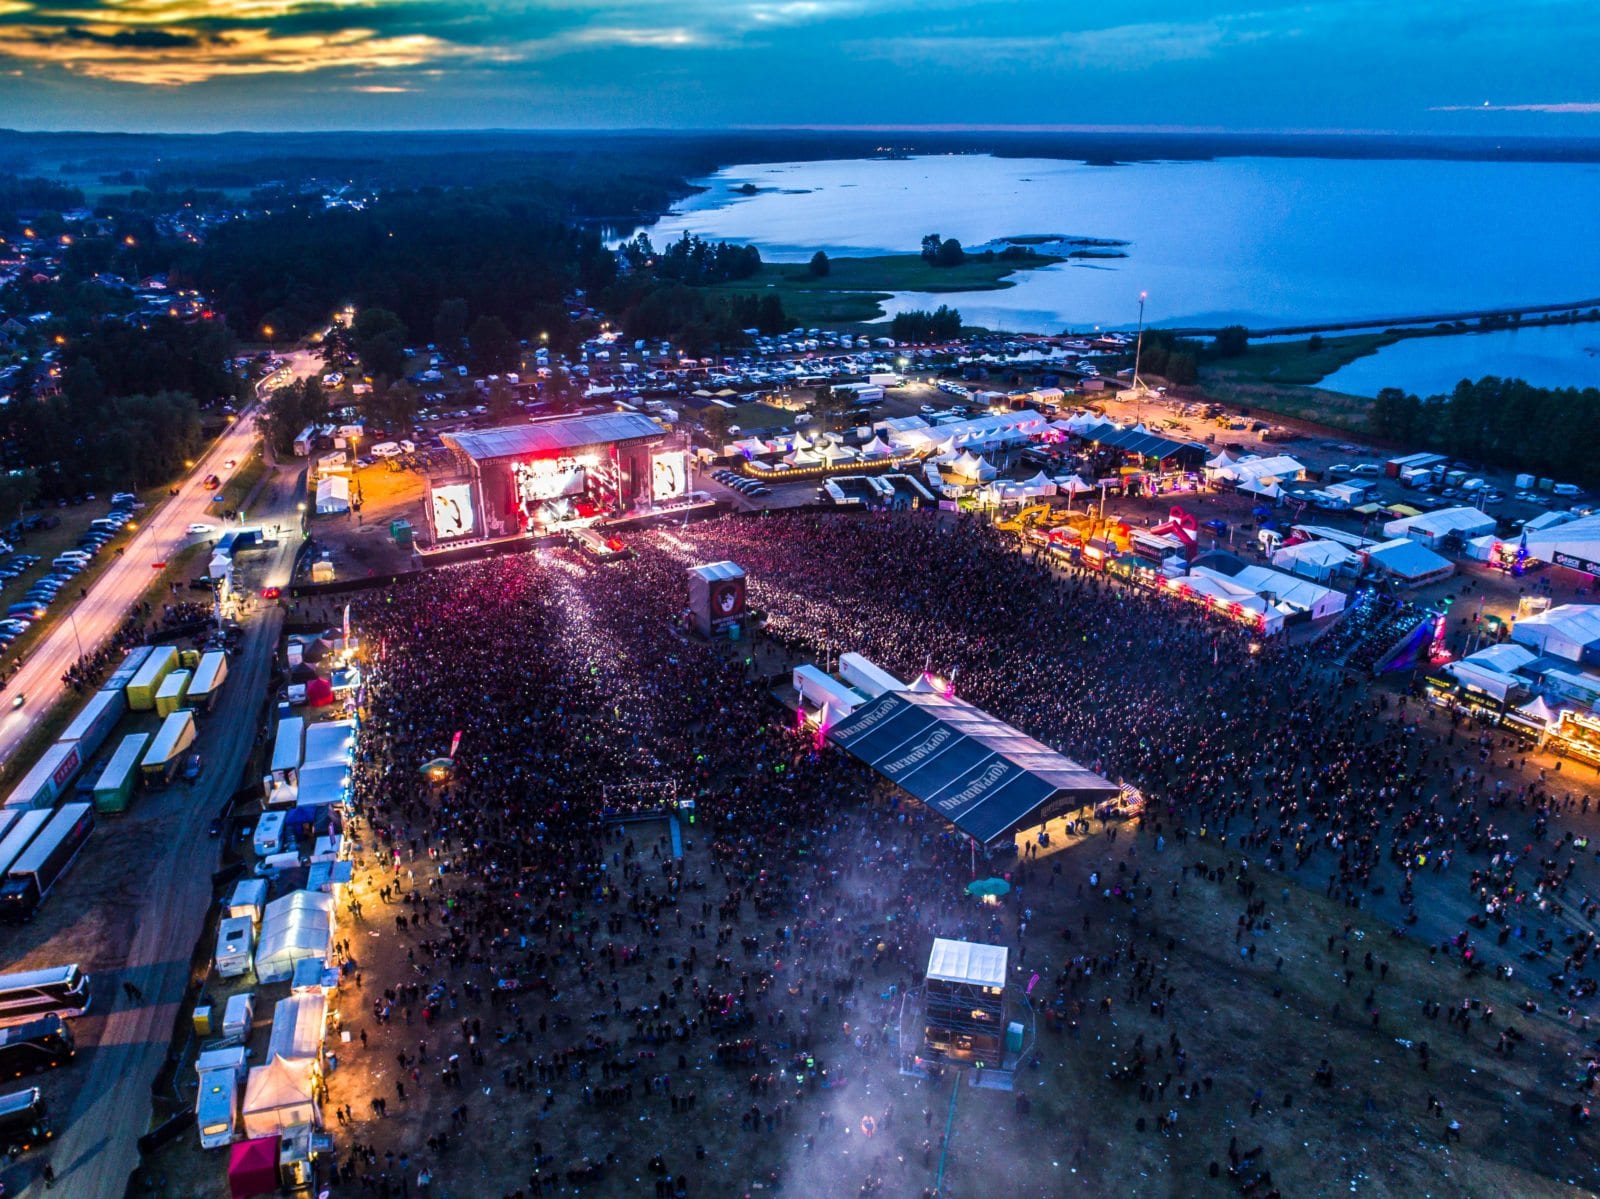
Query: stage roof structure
1146, 445
552, 436
979, 773
967, 962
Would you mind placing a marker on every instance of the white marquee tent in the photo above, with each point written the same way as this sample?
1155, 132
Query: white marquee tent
279, 1096
1431, 527
1317, 560
333, 495
1575, 543
296, 926
1564, 631
970, 466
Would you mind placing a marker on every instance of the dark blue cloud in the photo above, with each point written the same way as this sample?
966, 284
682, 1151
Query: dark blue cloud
1423, 65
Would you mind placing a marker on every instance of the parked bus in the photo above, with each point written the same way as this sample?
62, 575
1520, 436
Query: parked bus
54, 991
43, 1044
55, 849
24, 1122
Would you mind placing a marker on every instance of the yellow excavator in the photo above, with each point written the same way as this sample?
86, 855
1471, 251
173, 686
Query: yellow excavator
1040, 516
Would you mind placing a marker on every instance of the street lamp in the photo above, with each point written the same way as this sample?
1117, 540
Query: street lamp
268, 332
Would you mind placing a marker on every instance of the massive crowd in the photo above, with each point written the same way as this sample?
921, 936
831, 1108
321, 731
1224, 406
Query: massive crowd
556, 951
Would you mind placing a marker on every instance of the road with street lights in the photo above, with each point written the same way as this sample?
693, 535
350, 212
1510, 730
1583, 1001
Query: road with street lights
161, 534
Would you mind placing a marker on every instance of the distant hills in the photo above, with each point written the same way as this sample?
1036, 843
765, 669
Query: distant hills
385, 160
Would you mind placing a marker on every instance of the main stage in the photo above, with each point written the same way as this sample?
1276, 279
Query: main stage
554, 476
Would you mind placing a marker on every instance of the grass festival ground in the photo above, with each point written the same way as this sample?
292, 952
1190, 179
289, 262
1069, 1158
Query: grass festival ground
854, 288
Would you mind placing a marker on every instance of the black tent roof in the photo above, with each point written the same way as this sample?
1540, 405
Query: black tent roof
979, 773
1147, 445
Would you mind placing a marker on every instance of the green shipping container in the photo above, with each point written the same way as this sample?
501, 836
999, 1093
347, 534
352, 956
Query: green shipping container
113, 790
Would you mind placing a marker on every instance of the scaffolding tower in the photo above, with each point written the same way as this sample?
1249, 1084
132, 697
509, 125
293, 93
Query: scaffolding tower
964, 1018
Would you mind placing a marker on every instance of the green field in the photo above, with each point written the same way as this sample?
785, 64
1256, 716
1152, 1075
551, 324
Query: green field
1295, 362
752, 417
853, 289
1279, 377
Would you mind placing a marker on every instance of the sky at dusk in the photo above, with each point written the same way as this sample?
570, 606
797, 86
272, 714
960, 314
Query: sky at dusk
1526, 67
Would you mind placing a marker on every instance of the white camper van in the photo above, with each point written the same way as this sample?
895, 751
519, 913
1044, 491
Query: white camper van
238, 1017
269, 834
216, 1107
235, 943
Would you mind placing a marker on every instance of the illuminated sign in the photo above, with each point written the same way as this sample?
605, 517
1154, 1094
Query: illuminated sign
1573, 562
727, 602
452, 511
669, 475
542, 479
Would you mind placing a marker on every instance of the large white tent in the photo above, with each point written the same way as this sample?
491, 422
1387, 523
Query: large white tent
296, 926
1007, 428
1432, 527
333, 495
298, 1025
1410, 561
278, 1096
1276, 592
1483, 678
970, 466
1575, 544
1566, 631
1258, 475
1316, 560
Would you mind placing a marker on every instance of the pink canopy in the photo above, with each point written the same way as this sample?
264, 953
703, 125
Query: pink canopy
319, 693
253, 1168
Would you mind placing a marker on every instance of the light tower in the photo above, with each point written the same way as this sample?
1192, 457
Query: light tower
1138, 347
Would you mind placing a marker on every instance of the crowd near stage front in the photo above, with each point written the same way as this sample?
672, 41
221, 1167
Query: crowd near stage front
553, 476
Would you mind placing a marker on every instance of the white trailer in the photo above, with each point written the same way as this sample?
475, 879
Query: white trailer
268, 838
819, 690
238, 1017
288, 748
51, 774
93, 724
235, 945
249, 898
867, 676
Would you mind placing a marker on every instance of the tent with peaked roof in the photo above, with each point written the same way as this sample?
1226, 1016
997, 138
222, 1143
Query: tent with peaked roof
279, 1095
1538, 710
970, 466
1072, 485
1222, 459
876, 447
253, 1167
1041, 484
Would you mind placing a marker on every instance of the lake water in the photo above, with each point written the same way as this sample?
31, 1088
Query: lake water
1259, 242
1546, 356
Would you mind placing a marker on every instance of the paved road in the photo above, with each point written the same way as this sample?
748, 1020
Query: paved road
101, 612
96, 1145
